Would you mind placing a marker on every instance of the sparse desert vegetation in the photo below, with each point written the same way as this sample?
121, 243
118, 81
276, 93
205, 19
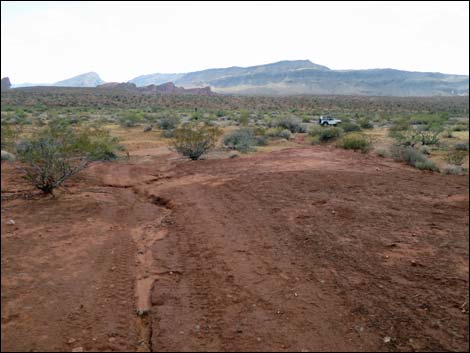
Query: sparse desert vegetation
214, 236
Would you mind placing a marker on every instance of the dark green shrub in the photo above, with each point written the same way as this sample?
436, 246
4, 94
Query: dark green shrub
426, 165
350, 126
169, 122
365, 123
461, 146
241, 140
261, 140
325, 134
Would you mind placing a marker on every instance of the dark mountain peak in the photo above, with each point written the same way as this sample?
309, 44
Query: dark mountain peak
6, 84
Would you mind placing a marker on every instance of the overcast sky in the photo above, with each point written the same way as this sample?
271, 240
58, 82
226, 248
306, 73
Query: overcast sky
49, 41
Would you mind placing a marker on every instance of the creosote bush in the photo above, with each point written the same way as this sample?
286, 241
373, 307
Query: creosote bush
193, 140
357, 142
56, 153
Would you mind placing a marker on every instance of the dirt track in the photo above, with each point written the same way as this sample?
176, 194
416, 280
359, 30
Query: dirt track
300, 249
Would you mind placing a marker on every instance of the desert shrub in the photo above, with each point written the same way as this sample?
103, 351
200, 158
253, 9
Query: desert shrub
357, 142
241, 140
407, 154
349, 126
292, 124
429, 134
130, 119
453, 170
461, 146
325, 134
285, 134
48, 162
8, 135
168, 133
97, 144
456, 157
460, 127
168, 122
412, 157
398, 126
193, 140
447, 134
404, 137
382, 152
244, 118
261, 140
220, 113
426, 165
365, 123
425, 150
54, 154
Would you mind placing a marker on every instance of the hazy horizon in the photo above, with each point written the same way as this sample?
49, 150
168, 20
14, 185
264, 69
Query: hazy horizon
45, 42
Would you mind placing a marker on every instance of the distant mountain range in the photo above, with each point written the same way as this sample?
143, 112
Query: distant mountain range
90, 79
299, 77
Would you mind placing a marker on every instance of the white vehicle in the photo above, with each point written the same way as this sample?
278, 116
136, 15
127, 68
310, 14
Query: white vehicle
328, 121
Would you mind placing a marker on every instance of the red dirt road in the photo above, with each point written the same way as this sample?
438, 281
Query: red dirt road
302, 249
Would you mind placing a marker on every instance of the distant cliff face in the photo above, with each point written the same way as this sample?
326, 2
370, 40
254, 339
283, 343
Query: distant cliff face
166, 88
90, 79
6, 84
170, 88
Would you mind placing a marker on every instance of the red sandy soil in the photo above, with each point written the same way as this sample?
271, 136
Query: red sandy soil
303, 249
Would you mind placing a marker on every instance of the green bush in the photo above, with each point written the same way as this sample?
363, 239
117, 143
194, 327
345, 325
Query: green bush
130, 119
292, 124
453, 170
456, 157
261, 140
241, 140
325, 134
383, 153
169, 122
461, 146
56, 153
412, 157
244, 117
426, 165
193, 140
285, 134
357, 142
8, 135
460, 127
365, 123
350, 126
398, 127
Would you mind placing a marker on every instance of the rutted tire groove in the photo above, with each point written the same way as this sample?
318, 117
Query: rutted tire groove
146, 274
